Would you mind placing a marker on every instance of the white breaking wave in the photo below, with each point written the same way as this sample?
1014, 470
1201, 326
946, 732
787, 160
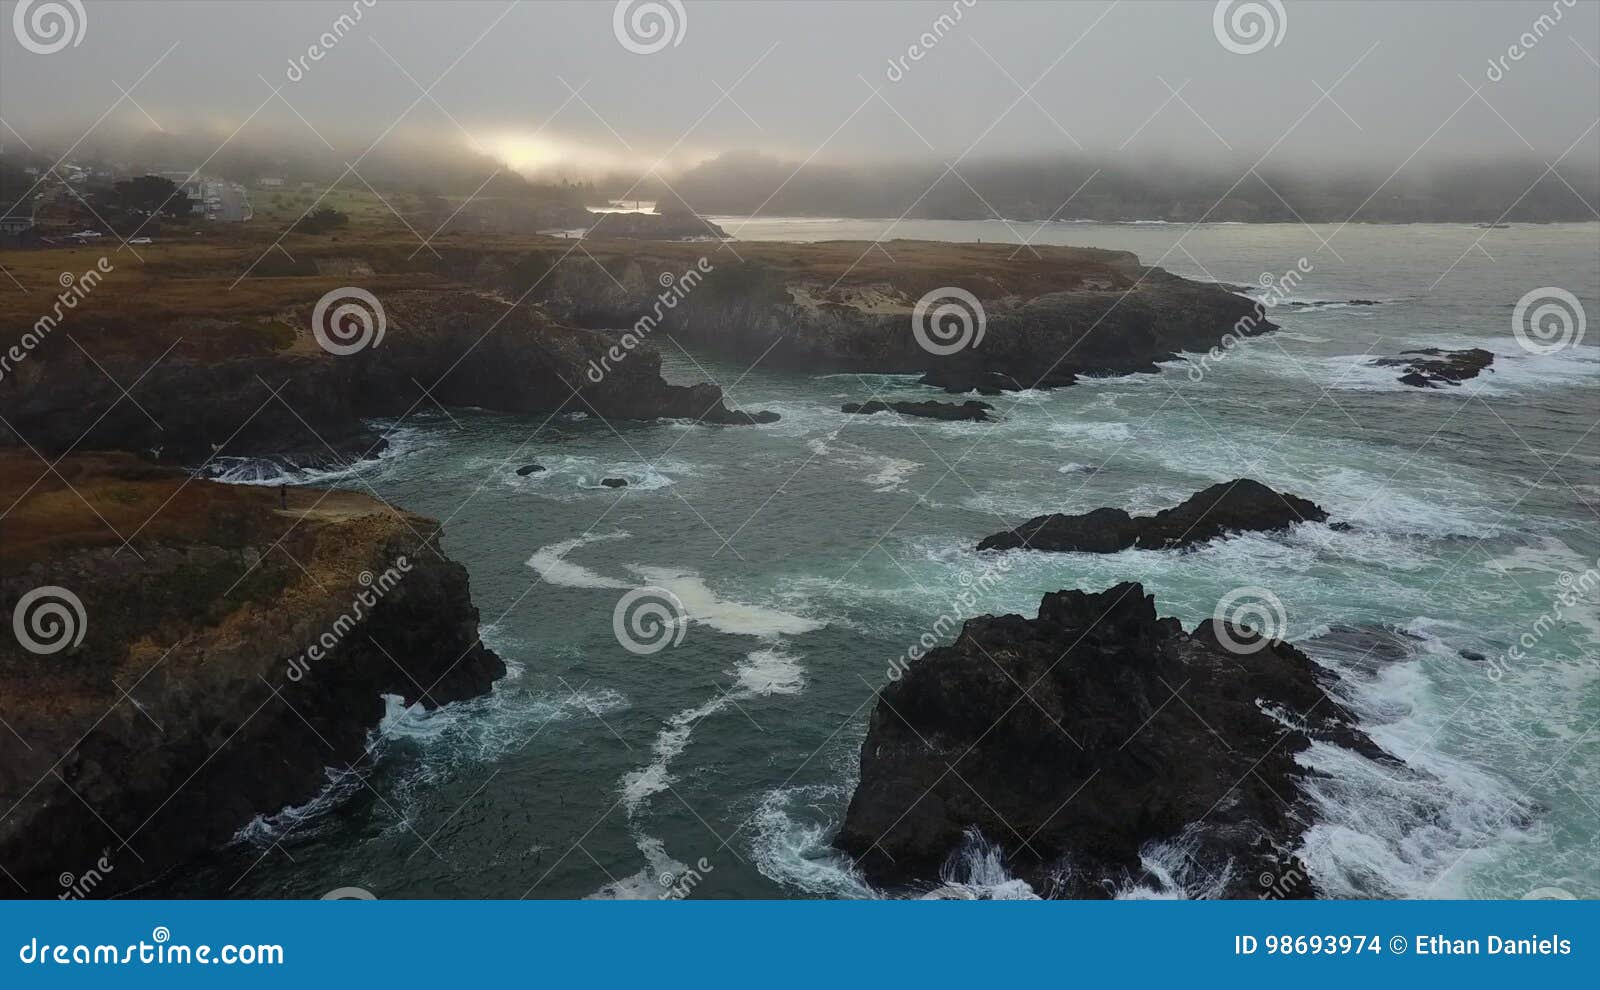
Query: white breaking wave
762, 673
1384, 832
703, 606
976, 871
800, 853
884, 473
650, 883
231, 470
454, 736
551, 563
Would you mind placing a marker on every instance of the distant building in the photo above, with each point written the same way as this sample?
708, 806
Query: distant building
16, 219
270, 182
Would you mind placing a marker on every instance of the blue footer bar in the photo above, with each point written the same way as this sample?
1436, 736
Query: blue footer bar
793, 943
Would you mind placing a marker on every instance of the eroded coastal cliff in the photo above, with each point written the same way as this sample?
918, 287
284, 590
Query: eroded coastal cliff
160, 694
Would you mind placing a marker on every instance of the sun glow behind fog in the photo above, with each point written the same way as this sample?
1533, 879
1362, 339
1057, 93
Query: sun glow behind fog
545, 155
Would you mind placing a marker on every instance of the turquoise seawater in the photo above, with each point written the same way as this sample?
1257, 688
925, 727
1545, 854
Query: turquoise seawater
811, 553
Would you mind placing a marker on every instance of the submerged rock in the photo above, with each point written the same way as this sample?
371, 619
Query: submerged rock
527, 469
973, 411
1430, 367
1075, 739
614, 482
1232, 506
958, 381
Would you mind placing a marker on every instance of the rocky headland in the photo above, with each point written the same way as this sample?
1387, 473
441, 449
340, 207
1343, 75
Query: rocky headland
216, 364
1236, 506
209, 671
1047, 317
260, 384
1079, 740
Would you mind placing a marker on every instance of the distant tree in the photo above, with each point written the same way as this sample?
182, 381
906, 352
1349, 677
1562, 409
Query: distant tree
321, 222
150, 194
14, 182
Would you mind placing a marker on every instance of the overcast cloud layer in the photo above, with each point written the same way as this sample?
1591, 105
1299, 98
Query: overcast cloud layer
800, 79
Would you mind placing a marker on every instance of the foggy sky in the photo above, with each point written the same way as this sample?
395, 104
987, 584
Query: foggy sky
802, 75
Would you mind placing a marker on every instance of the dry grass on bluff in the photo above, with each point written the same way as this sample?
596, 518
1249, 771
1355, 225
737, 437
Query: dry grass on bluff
96, 500
234, 271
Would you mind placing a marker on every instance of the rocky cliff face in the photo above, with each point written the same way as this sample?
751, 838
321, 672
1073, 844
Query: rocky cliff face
1077, 739
265, 388
839, 307
209, 673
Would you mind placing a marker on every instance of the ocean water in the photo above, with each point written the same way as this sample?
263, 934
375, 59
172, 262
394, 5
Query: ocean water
805, 556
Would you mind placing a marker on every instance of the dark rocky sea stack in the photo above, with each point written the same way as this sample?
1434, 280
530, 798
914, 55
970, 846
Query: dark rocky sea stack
1229, 507
1431, 367
1074, 739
